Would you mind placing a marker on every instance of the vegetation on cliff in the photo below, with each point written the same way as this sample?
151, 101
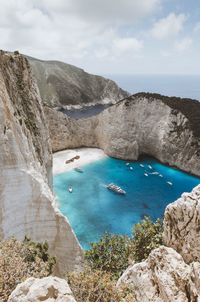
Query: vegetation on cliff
108, 259
21, 260
113, 253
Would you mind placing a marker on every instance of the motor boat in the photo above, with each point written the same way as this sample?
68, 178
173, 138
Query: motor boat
169, 183
131, 168
141, 165
70, 189
116, 189
78, 170
145, 174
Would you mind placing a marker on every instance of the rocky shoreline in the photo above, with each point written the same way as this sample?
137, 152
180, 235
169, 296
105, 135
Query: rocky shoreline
141, 124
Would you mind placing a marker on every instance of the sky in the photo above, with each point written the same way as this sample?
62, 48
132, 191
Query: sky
107, 36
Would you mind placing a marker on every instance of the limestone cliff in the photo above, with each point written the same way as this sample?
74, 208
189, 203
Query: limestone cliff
27, 206
182, 225
165, 128
62, 84
163, 277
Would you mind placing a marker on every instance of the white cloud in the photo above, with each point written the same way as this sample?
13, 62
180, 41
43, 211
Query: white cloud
169, 26
104, 11
124, 45
71, 29
98, 35
115, 46
183, 44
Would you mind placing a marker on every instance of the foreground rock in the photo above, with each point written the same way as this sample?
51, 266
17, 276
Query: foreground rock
182, 225
46, 289
27, 205
61, 84
163, 277
165, 128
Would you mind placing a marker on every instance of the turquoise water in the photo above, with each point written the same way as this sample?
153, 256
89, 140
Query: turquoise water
93, 210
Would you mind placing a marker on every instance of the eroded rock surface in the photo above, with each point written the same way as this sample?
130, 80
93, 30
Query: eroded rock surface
46, 289
165, 128
182, 225
27, 205
163, 277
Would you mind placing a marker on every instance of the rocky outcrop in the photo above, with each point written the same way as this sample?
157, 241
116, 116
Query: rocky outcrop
165, 128
61, 84
46, 289
163, 277
182, 225
171, 273
27, 206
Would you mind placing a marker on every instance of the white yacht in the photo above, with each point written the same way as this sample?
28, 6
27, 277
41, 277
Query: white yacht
115, 189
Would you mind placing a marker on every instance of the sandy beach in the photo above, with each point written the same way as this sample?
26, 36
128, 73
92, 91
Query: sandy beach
87, 155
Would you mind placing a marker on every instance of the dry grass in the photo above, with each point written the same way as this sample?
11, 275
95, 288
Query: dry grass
20, 260
97, 286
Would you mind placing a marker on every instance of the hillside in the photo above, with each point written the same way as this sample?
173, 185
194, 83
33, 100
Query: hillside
62, 84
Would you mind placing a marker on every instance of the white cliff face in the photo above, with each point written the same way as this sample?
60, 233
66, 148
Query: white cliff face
27, 206
46, 289
163, 277
137, 125
182, 225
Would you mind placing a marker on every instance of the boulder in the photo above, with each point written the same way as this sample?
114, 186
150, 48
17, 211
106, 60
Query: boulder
51, 289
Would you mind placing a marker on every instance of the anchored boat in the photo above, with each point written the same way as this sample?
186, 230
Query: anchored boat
70, 189
78, 170
115, 189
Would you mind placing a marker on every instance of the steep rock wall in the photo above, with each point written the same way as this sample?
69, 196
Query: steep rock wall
27, 206
182, 225
143, 123
163, 277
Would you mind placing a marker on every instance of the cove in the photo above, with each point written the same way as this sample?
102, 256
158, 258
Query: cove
93, 210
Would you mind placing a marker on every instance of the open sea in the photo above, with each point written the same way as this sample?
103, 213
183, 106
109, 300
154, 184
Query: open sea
186, 86
93, 210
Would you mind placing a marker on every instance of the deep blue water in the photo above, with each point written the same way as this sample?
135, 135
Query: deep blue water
187, 86
85, 112
93, 210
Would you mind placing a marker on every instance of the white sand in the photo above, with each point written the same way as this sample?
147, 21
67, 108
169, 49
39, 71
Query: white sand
87, 155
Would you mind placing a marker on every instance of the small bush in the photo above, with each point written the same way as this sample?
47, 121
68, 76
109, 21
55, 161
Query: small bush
96, 285
147, 235
21, 260
110, 254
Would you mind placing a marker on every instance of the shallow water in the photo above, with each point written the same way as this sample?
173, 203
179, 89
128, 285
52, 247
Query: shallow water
93, 210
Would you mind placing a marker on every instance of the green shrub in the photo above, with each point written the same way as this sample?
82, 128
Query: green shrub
113, 253
147, 235
110, 254
21, 260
